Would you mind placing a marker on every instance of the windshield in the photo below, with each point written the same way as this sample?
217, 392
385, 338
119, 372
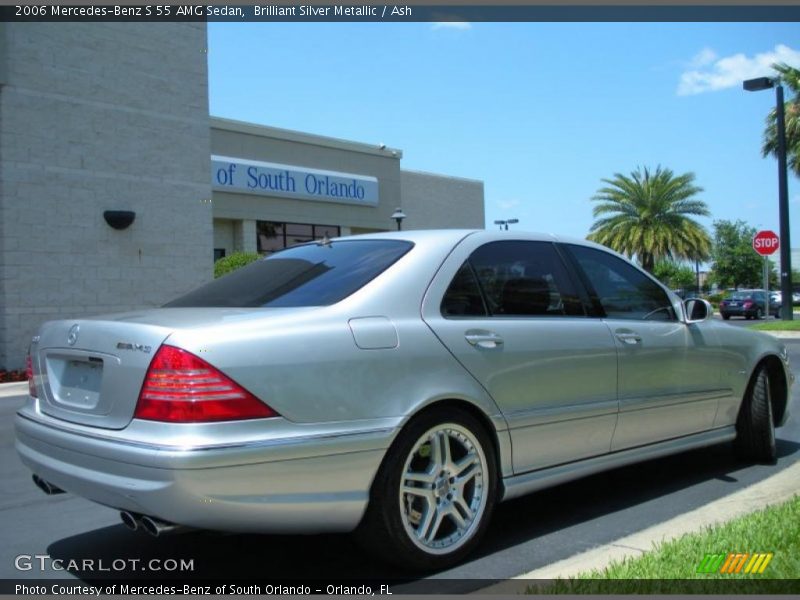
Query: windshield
309, 275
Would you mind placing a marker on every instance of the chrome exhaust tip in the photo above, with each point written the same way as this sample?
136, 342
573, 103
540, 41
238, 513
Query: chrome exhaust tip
47, 487
157, 527
130, 520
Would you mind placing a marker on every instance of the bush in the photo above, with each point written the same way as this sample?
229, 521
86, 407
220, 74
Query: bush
237, 260
12, 376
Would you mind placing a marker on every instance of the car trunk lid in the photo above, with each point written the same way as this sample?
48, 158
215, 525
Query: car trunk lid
91, 371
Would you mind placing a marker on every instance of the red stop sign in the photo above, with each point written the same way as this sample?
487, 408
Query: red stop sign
766, 242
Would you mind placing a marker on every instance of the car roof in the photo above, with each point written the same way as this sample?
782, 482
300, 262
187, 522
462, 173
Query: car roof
454, 235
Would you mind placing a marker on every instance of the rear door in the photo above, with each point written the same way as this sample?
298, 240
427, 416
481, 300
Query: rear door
512, 315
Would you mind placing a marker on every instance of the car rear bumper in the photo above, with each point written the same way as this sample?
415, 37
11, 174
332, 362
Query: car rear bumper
308, 485
738, 311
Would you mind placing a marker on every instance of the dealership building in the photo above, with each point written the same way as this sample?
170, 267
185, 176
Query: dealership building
118, 191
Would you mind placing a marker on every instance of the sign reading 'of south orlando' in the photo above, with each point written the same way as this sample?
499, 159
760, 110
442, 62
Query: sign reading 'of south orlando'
239, 175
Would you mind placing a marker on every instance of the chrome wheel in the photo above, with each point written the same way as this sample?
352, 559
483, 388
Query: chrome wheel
443, 491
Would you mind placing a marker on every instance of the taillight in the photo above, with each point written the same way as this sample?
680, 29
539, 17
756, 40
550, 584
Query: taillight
182, 388
748, 304
29, 375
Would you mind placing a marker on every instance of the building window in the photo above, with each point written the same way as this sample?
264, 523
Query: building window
219, 253
272, 236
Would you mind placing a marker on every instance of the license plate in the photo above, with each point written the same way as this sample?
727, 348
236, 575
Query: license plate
80, 383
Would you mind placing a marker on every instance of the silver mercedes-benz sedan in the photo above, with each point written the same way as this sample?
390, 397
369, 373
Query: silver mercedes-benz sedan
395, 384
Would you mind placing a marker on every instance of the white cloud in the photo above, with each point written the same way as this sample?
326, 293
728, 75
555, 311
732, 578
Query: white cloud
459, 25
507, 204
707, 73
705, 57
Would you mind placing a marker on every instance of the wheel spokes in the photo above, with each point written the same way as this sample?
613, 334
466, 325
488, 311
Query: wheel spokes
460, 506
441, 450
441, 489
429, 534
463, 468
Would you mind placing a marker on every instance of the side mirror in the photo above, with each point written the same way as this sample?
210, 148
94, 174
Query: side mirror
697, 310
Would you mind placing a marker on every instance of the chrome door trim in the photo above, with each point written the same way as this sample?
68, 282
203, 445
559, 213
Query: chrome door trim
555, 413
633, 404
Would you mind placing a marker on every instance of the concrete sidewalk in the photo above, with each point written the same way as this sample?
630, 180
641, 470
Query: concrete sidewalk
18, 388
777, 489
786, 335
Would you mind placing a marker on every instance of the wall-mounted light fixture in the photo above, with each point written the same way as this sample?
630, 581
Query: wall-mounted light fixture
119, 219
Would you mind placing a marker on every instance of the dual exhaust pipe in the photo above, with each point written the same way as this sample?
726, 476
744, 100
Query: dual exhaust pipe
133, 521
151, 525
47, 487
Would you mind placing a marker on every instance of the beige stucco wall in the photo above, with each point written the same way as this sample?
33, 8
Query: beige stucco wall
98, 116
433, 201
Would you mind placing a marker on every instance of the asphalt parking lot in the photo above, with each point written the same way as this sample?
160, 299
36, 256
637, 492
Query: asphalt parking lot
525, 534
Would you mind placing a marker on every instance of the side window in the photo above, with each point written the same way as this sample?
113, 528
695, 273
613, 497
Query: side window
524, 279
463, 297
623, 291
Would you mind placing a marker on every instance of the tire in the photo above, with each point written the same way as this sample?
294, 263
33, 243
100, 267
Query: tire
755, 426
759, 314
394, 525
725, 316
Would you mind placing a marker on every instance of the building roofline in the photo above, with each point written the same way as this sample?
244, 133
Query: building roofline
304, 138
431, 174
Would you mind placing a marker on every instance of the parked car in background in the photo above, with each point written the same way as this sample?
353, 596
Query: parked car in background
397, 385
748, 304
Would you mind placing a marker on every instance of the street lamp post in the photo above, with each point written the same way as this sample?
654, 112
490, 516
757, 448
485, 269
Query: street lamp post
756, 85
506, 223
398, 215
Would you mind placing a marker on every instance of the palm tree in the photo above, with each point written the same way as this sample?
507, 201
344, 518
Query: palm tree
646, 214
790, 77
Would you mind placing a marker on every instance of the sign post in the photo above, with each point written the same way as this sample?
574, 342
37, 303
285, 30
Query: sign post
765, 242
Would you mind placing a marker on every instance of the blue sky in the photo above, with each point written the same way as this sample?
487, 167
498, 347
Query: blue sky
541, 112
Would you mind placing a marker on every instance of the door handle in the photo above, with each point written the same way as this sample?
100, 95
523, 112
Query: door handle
485, 339
629, 337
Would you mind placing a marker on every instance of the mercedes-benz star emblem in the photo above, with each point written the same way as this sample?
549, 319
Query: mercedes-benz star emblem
72, 336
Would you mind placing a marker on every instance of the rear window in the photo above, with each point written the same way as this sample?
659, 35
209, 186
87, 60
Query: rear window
309, 275
746, 295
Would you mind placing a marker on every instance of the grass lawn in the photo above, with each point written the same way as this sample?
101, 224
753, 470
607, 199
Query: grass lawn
671, 567
777, 325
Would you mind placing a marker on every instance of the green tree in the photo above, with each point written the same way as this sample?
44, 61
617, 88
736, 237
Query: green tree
790, 77
648, 214
684, 277
734, 262
675, 275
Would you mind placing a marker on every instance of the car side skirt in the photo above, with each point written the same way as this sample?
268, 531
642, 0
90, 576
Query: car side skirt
522, 484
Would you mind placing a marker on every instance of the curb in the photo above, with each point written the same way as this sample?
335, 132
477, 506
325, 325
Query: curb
785, 335
18, 388
774, 490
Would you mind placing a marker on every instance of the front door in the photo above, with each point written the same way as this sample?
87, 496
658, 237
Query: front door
669, 384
